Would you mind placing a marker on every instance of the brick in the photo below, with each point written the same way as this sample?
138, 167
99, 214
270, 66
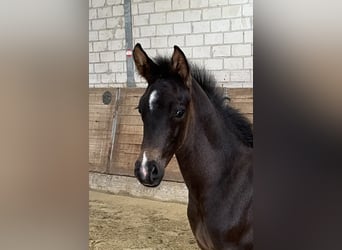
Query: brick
91, 47
222, 50
94, 57
107, 56
134, 9
100, 46
165, 29
248, 62
91, 68
233, 63
163, 5
116, 67
121, 78
115, 22
115, 45
231, 11
106, 34
118, 10
237, 1
220, 25
159, 42
233, 84
193, 40
201, 27
98, 3
213, 38
140, 20
180, 4
108, 78
141, 85
182, 28
248, 36
136, 32
175, 40
145, 42
198, 62
213, 64
192, 15
148, 31
187, 52
222, 76
112, 2
104, 12
174, 17
92, 13
241, 50
151, 52
233, 37
247, 10
158, 18
119, 33
101, 67
240, 76
201, 52
93, 78
163, 51
248, 84
217, 2
120, 55
93, 36
212, 13
146, 7
241, 23
198, 4
98, 24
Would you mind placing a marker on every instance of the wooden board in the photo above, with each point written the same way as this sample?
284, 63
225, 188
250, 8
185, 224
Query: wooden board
116, 130
100, 129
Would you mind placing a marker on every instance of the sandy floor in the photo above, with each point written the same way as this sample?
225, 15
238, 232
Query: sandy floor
121, 222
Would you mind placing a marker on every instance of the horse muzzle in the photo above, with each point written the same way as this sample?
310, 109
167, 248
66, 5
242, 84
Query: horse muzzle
149, 173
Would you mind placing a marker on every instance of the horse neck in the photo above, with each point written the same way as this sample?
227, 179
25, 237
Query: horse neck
207, 145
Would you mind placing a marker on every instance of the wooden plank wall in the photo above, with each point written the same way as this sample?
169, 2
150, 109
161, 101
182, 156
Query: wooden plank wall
101, 119
115, 130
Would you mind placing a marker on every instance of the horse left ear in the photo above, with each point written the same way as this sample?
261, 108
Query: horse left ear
180, 65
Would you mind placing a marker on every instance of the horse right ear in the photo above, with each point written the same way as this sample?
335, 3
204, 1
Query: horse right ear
143, 63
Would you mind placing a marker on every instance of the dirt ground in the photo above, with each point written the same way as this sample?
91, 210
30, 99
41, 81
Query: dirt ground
122, 222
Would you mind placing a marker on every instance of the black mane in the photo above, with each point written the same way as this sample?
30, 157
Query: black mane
240, 126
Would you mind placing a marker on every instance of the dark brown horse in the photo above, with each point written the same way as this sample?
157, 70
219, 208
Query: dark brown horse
184, 114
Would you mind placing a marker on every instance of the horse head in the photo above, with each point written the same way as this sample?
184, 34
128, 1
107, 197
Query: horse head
164, 109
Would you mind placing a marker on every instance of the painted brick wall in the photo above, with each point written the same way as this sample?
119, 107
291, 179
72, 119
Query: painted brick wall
215, 33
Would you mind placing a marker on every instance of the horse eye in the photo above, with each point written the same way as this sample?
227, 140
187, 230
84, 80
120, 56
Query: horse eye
180, 113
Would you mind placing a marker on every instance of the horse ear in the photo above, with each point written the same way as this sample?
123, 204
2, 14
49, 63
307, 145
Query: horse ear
180, 65
143, 63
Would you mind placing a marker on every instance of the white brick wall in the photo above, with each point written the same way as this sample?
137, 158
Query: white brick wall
107, 64
215, 33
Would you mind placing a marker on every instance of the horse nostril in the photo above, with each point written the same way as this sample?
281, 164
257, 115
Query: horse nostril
154, 171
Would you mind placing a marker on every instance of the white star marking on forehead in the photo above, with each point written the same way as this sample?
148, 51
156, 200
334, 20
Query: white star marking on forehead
152, 100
